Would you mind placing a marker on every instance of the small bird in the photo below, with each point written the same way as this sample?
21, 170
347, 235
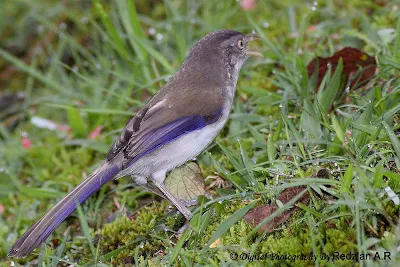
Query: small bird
176, 125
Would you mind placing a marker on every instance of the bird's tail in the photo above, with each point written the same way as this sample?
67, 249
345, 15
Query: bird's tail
38, 233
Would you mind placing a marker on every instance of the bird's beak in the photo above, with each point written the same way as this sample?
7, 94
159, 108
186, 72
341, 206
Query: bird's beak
251, 37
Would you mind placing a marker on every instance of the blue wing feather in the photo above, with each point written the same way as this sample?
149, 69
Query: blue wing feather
166, 134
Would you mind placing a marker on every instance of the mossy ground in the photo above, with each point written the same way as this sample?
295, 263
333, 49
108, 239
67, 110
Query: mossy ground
89, 64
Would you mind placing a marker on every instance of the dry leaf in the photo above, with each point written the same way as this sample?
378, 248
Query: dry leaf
255, 216
215, 243
352, 58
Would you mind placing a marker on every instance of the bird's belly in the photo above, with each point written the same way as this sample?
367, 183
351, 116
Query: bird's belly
175, 153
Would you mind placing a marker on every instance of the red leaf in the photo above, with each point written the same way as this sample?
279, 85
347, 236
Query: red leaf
255, 216
353, 60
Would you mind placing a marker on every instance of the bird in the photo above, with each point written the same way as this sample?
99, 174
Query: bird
173, 127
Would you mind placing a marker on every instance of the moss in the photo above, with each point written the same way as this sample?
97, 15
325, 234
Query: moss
78, 250
268, 110
297, 241
175, 222
52, 163
331, 237
228, 209
233, 236
131, 232
287, 243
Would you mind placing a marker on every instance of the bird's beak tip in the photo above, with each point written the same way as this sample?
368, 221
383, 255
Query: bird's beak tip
252, 36
254, 53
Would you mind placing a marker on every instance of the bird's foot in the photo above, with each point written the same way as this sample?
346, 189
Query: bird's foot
218, 182
189, 203
181, 230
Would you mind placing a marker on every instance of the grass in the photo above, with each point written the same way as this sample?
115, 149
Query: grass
90, 64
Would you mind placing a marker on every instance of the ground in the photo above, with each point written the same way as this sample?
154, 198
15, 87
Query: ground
73, 72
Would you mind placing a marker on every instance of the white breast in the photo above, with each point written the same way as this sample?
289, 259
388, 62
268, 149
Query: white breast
178, 151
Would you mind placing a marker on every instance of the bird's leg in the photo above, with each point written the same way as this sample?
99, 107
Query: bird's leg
151, 187
177, 202
159, 182
154, 189
189, 203
142, 182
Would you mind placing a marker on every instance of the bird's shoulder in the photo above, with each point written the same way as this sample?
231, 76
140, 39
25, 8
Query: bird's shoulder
166, 107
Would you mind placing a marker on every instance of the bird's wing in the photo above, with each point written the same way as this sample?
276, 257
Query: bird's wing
166, 117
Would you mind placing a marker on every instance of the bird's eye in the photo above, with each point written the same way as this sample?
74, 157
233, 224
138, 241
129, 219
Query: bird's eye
240, 44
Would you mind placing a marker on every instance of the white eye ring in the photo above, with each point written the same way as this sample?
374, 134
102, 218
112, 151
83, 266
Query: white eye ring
240, 44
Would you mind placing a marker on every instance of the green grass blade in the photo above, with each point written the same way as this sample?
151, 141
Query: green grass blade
231, 220
179, 246
328, 95
86, 229
393, 138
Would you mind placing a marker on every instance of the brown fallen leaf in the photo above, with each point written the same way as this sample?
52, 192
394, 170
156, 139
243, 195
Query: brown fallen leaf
353, 60
322, 173
255, 216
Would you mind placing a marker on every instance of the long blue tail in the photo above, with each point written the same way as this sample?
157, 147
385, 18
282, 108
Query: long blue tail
38, 233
